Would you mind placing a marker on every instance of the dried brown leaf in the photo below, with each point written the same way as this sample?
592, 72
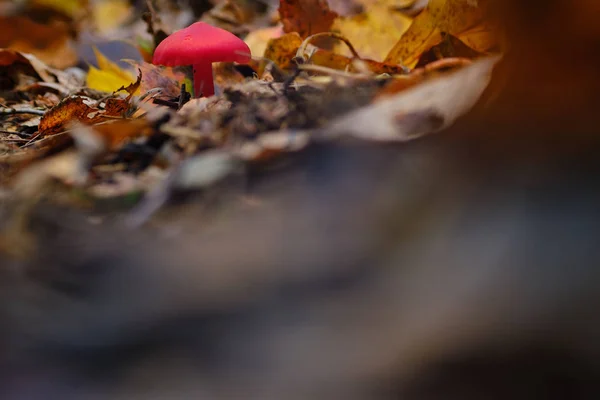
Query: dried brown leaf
306, 17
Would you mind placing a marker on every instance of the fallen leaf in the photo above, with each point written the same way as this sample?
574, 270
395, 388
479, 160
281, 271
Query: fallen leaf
372, 33
156, 76
132, 88
50, 42
440, 16
418, 75
108, 77
72, 108
449, 47
425, 108
306, 17
82, 109
14, 65
283, 49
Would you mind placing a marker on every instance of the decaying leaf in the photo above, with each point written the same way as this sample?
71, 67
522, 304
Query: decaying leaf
72, 108
78, 108
441, 16
306, 17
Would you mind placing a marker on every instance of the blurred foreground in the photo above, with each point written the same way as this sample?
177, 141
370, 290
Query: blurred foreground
459, 266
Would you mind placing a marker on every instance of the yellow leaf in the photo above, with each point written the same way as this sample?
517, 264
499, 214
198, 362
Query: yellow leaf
108, 77
449, 16
374, 33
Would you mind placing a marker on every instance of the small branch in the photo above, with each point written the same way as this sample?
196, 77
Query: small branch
333, 72
302, 49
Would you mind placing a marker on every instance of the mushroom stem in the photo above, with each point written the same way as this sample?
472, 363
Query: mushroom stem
203, 80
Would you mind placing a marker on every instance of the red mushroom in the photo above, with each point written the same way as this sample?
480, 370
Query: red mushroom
200, 45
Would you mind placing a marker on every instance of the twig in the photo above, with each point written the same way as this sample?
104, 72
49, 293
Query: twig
302, 49
333, 72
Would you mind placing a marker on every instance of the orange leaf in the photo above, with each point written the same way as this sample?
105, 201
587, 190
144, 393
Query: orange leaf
75, 108
306, 17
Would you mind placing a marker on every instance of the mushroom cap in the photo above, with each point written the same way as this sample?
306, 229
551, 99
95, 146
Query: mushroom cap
201, 42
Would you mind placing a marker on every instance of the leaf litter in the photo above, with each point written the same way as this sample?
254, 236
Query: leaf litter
107, 137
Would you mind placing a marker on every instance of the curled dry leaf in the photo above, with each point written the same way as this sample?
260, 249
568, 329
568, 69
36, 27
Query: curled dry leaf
306, 17
422, 109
